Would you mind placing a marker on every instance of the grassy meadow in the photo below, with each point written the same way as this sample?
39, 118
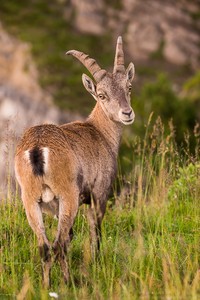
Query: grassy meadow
151, 232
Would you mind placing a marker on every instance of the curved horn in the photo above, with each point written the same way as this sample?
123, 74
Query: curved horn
89, 63
119, 57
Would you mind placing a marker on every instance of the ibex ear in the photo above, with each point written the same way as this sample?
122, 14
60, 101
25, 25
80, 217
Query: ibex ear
130, 72
89, 85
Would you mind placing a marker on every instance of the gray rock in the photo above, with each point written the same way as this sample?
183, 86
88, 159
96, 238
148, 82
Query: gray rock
145, 25
153, 23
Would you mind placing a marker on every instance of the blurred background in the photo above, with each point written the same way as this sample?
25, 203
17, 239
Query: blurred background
38, 83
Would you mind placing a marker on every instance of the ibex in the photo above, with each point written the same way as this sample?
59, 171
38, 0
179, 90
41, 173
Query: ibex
61, 167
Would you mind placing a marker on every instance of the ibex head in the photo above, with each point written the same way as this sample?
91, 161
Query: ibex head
112, 90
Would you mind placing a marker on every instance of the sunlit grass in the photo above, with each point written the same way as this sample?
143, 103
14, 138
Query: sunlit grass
151, 234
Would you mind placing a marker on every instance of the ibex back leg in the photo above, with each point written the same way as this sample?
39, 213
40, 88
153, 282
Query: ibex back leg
34, 216
67, 213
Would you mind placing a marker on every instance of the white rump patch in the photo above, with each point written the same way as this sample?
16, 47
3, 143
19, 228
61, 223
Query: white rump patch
27, 155
45, 152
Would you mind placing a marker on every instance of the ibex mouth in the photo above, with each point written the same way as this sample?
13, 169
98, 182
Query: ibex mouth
127, 122
126, 118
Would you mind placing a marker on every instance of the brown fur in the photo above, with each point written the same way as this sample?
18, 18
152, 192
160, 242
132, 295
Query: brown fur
61, 167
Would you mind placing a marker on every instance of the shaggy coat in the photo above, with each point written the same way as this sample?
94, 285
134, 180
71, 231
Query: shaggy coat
61, 167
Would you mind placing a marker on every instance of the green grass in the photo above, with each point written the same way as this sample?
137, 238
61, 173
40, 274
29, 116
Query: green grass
151, 234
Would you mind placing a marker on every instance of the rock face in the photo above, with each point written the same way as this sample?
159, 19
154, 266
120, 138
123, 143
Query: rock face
147, 26
169, 26
17, 67
22, 102
89, 16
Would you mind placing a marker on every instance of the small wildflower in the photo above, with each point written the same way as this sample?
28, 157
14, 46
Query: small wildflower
53, 295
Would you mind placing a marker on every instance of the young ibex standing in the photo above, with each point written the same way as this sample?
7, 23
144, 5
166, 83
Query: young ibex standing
61, 167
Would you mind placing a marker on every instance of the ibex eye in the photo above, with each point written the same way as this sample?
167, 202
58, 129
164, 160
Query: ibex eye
101, 96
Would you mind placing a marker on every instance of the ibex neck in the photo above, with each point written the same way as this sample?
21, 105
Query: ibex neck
111, 130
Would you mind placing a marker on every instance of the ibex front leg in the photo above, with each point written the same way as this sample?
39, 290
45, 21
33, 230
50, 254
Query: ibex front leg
68, 207
35, 220
95, 216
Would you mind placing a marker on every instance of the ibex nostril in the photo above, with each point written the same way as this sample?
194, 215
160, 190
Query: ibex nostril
127, 113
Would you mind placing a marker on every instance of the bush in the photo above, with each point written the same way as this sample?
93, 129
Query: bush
187, 185
160, 98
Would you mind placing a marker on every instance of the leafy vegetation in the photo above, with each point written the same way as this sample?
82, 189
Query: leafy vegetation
191, 89
186, 186
160, 98
151, 233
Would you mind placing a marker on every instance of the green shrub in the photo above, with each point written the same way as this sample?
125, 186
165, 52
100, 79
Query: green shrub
160, 98
187, 185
